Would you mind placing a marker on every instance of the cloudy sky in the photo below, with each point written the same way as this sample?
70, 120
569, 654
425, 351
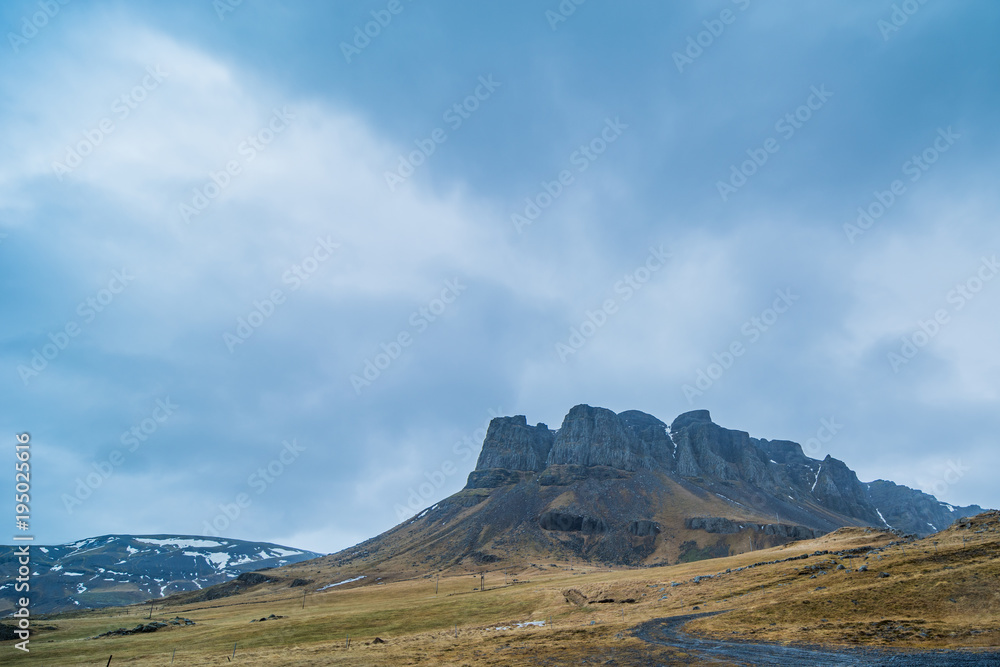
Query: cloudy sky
268, 269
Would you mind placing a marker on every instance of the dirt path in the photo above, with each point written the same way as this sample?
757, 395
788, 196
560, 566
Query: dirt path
668, 632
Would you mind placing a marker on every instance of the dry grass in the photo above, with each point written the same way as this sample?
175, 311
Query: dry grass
946, 596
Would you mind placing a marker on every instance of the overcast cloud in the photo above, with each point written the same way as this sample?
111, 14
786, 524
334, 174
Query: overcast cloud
279, 242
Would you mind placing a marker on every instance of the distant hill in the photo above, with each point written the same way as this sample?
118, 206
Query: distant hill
125, 569
629, 489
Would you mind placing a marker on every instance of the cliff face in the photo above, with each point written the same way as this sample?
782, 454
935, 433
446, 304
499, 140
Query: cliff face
705, 449
627, 489
599, 437
592, 443
914, 511
511, 444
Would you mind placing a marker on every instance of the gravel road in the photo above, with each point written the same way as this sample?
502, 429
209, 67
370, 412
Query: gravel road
669, 632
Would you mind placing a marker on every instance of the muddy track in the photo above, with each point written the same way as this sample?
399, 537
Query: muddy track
669, 632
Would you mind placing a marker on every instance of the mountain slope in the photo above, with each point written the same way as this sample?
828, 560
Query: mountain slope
124, 569
629, 489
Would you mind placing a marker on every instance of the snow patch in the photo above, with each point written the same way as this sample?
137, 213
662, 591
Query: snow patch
346, 581
883, 518
666, 429
730, 501
182, 544
73, 574
55, 568
537, 624
292, 552
816, 481
219, 559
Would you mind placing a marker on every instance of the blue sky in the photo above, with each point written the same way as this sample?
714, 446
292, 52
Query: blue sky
215, 222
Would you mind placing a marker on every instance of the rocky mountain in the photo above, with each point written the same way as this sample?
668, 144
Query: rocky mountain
124, 569
629, 489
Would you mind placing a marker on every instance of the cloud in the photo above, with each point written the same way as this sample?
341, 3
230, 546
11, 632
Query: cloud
311, 199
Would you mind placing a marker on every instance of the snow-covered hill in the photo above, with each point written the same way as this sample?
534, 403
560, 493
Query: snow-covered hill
124, 569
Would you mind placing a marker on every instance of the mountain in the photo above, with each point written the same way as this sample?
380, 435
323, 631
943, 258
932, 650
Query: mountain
124, 569
629, 489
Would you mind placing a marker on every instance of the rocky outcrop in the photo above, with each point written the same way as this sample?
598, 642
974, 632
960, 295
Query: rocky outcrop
598, 437
913, 511
511, 444
837, 487
491, 478
782, 451
567, 522
705, 449
644, 528
792, 532
653, 436
712, 524
721, 525
756, 477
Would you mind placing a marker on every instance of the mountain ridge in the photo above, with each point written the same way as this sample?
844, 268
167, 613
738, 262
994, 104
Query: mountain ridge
110, 570
627, 488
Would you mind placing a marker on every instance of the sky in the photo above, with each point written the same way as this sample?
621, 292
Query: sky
268, 269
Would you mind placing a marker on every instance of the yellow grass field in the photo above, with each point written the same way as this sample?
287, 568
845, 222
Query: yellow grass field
942, 591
